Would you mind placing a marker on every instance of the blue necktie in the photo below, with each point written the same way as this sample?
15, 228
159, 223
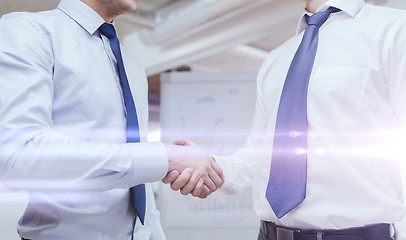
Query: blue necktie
138, 192
287, 180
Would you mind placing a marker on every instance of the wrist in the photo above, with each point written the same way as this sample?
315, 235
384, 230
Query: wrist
171, 151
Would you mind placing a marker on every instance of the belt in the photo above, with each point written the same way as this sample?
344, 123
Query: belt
371, 232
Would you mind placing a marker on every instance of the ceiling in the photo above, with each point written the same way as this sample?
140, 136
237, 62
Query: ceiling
207, 35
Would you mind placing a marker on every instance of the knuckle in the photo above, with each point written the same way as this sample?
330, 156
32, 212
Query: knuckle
196, 193
197, 172
170, 179
181, 178
174, 187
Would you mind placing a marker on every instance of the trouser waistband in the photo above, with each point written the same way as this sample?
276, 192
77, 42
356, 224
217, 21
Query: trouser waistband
371, 232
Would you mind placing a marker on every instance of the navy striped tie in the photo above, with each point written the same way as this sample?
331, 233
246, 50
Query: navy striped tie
138, 192
287, 180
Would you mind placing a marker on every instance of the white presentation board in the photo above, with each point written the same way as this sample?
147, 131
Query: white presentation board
215, 110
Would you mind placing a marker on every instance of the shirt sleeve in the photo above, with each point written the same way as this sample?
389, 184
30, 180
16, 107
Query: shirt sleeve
396, 62
240, 168
34, 156
397, 71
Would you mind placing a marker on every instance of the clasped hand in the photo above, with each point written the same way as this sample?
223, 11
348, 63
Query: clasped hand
192, 170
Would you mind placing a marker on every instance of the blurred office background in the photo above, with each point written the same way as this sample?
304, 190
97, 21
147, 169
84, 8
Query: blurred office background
201, 58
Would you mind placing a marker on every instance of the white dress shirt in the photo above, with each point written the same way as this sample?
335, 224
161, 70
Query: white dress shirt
62, 123
356, 107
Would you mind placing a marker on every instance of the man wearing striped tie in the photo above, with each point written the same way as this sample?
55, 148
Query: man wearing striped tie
73, 126
329, 130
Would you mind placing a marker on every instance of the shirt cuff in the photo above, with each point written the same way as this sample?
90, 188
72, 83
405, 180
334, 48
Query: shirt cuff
150, 162
225, 165
221, 161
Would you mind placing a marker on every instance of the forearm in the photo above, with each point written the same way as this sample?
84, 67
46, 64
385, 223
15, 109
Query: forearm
52, 161
239, 168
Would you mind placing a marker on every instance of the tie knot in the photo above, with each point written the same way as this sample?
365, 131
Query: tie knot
319, 18
108, 30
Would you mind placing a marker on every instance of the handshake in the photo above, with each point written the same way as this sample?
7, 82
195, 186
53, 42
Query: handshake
192, 170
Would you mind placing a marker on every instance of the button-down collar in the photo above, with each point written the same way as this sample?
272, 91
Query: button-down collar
349, 7
84, 15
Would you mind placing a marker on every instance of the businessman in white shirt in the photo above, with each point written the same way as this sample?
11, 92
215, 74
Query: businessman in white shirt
335, 173
73, 126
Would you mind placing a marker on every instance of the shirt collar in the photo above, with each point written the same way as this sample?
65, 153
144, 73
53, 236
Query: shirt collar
349, 7
84, 15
